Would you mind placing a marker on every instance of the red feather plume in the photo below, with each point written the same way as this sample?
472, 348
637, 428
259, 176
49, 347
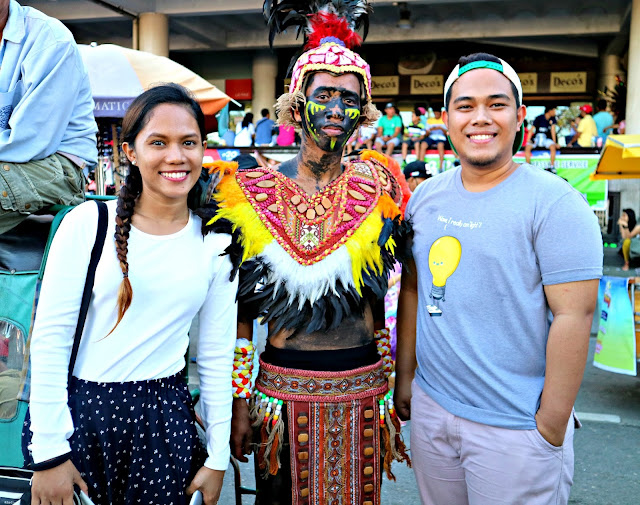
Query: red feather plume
327, 24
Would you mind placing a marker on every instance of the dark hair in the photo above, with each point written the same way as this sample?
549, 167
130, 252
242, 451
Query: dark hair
602, 104
135, 119
632, 218
479, 57
264, 112
247, 119
548, 108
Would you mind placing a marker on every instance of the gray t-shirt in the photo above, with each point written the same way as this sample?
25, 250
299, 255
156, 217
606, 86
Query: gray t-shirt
483, 359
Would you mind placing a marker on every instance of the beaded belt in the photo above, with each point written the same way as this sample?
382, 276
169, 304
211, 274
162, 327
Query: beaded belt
306, 385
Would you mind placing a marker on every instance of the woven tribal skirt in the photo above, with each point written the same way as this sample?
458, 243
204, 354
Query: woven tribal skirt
336, 425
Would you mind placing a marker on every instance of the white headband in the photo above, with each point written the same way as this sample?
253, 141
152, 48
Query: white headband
503, 67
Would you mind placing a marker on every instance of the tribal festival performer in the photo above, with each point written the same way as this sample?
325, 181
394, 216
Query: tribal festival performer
314, 240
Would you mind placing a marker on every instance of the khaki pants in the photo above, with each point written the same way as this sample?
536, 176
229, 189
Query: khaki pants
459, 462
26, 188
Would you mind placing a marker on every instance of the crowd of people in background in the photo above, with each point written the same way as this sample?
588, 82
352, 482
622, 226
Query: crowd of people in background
427, 132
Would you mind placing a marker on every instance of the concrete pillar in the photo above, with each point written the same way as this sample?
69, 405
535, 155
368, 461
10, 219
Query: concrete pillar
609, 69
633, 78
264, 73
153, 33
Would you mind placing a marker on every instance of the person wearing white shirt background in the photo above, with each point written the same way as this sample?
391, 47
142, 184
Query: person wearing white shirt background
123, 429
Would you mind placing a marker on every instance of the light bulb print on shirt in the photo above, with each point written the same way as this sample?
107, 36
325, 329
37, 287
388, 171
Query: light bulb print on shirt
444, 257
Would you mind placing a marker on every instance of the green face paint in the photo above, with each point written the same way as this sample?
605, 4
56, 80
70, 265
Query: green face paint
311, 109
331, 116
352, 113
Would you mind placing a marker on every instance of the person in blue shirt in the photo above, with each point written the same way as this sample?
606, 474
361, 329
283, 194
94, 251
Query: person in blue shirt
47, 128
603, 119
264, 129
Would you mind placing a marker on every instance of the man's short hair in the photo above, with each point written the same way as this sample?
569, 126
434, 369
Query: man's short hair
602, 104
464, 60
548, 108
264, 112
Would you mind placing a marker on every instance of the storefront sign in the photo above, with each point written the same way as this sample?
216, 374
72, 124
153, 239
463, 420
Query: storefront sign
239, 89
427, 84
385, 85
568, 82
529, 82
110, 107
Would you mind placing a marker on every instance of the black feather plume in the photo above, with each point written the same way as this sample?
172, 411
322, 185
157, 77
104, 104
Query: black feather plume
282, 14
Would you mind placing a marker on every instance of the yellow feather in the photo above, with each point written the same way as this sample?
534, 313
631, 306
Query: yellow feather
364, 250
234, 207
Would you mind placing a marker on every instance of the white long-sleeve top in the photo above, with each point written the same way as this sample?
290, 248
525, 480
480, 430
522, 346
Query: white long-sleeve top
174, 278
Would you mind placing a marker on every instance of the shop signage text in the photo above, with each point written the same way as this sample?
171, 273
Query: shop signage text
427, 84
529, 82
568, 82
385, 85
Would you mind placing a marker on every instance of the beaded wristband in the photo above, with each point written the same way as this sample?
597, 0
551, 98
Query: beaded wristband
383, 343
242, 368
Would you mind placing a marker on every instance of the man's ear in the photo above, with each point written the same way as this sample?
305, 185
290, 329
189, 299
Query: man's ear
521, 115
445, 118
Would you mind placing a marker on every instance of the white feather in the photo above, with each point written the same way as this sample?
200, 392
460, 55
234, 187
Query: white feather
307, 282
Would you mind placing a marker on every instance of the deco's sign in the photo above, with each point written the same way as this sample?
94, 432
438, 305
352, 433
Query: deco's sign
568, 82
529, 82
385, 85
427, 84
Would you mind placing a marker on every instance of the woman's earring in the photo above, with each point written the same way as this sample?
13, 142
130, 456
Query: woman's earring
133, 162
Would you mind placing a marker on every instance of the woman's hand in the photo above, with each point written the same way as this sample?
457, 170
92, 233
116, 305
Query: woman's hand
55, 486
209, 483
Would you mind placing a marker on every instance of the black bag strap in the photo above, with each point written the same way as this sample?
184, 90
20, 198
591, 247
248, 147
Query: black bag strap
96, 252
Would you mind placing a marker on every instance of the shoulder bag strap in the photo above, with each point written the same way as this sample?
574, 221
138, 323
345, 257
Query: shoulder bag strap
96, 252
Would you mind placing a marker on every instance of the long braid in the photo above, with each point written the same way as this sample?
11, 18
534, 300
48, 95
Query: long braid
126, 202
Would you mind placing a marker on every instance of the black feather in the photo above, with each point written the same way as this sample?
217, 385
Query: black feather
280, 15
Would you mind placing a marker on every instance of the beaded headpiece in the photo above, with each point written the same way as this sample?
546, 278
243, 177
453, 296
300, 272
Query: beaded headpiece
329, 29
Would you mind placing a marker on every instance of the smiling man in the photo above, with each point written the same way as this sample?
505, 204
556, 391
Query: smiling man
314, 240
492, 400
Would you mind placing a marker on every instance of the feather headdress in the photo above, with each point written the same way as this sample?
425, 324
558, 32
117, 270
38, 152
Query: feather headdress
329, 29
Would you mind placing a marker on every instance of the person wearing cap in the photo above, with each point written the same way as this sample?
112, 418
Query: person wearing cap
415, 135
389, 130
587, 129
415, 173
437, 135
488, 384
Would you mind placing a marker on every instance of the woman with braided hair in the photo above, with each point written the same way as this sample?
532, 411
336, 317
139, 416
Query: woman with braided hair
123, 428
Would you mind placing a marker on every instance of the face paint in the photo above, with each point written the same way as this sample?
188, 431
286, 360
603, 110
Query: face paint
331, 114
311, 109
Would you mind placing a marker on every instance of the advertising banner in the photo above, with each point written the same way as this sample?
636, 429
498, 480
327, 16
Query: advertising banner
616, 344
